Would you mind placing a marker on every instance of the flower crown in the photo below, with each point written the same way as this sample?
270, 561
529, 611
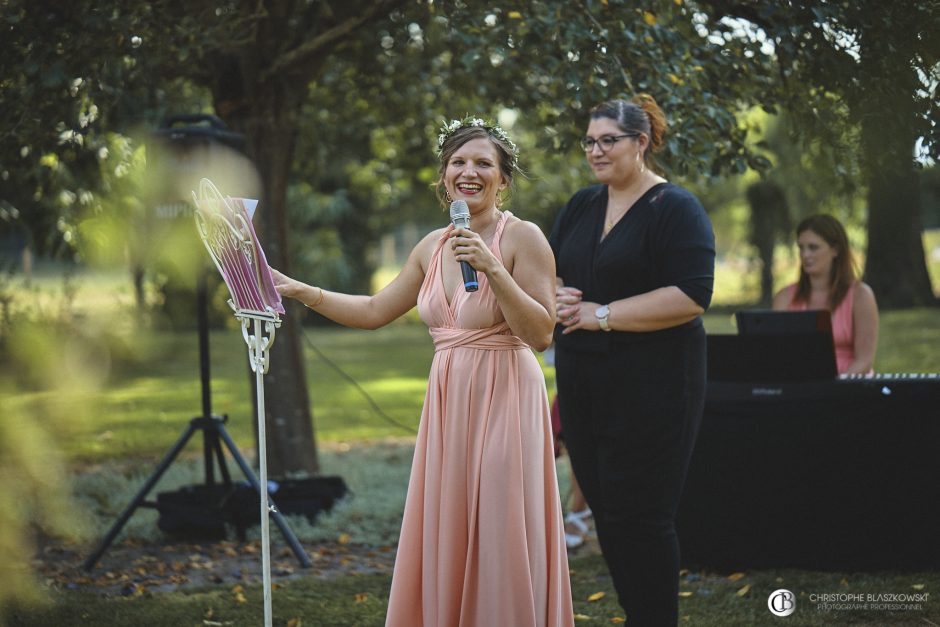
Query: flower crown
453, 126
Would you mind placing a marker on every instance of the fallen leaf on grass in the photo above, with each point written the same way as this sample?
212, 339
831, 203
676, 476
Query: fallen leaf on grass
597, 596
918, 586
582, 617
343, 538
239, 594
618, 619
685, 594
743, 591
294, 622
362, 597
736, 577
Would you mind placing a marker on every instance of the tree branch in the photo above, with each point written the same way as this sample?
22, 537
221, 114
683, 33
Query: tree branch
302, 54
628, 84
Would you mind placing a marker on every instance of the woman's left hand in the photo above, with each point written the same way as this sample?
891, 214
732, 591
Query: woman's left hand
578, 316
470, 247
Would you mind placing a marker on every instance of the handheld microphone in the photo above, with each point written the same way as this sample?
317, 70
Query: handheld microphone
460, 217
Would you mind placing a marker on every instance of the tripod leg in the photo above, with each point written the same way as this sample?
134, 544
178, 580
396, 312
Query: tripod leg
144, 491
279, 519
220, 458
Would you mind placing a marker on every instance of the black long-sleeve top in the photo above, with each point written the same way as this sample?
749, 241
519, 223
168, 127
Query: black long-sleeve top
664, 239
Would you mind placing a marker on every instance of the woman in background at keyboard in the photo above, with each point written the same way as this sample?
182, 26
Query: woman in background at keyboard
829, 280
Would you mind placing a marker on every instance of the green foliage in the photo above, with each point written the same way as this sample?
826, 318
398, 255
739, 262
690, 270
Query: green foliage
73, 75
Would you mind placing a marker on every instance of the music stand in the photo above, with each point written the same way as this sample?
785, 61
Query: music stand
225, 227
774, 346
772, 321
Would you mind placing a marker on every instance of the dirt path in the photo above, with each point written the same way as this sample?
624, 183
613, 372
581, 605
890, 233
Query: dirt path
131, 569
135, 568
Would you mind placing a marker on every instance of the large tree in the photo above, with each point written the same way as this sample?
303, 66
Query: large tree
880, 64
361, 87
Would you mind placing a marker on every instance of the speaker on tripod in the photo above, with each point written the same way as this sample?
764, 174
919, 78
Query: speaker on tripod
203, 511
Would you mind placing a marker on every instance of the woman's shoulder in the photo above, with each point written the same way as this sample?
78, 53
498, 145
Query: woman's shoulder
433, 237
675, 196
586, 195
424, 249
522, 231
784, 297
863, 292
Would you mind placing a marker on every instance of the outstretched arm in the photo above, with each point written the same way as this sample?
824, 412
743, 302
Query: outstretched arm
360, 311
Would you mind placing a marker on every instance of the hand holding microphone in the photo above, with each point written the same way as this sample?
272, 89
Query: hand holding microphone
460, 218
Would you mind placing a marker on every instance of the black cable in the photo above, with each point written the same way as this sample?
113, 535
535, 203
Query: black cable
356, 385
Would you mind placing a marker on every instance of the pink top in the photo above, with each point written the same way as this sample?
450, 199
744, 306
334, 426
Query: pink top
843, 328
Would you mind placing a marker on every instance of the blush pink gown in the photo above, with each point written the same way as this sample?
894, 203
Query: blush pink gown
482, 539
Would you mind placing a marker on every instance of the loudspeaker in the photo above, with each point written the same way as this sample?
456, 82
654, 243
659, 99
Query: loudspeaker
200, 512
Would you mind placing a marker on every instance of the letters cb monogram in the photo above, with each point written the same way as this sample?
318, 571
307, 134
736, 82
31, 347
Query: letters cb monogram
781, 602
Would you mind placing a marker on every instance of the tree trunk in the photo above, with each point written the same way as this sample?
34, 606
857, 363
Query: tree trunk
268, 121
895, 265
770, 218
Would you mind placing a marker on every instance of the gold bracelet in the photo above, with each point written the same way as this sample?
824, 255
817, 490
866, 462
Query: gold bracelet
319, 300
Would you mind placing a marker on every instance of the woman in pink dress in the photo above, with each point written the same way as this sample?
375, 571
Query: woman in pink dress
482, 540
828, 280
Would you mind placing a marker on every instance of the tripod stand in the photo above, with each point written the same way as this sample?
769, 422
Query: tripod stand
214, 435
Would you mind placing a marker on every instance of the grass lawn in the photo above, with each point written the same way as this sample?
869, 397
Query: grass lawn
706, 599
147, 402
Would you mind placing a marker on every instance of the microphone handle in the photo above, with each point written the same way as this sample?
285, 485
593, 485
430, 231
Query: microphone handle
469, 277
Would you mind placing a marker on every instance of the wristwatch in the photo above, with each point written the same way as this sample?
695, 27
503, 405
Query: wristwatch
602, 313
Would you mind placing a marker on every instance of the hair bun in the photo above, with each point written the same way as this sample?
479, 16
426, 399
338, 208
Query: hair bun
656, 117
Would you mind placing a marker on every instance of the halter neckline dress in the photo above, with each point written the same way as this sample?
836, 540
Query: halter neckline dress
482, 538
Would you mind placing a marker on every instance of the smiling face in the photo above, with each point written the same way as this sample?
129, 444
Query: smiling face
816, 254
618, 164
473, 174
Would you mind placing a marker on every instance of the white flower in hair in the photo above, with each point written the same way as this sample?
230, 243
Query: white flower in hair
451, 127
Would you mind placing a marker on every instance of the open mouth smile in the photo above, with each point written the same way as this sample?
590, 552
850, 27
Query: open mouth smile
469, 188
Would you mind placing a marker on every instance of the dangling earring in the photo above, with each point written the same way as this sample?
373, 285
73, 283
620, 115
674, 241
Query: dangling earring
641, 163
447, 196
499, 200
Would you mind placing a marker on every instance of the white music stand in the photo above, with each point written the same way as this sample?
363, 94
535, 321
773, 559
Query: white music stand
225, 228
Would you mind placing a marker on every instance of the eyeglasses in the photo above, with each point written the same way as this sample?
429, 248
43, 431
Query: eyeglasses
606, 142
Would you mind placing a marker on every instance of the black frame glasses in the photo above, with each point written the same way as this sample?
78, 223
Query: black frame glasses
606, 142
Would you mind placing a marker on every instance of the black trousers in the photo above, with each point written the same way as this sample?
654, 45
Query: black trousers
630, 418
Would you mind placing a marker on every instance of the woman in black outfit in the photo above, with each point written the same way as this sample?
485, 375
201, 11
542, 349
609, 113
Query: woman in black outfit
635, 257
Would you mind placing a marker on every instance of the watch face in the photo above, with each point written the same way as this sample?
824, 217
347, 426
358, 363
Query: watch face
602, 311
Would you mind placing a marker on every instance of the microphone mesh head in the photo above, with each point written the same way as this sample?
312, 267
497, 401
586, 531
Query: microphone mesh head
460, 214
